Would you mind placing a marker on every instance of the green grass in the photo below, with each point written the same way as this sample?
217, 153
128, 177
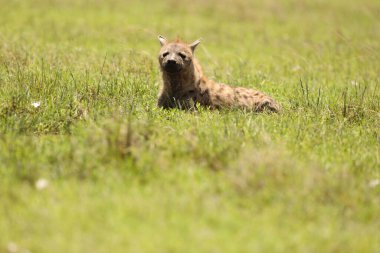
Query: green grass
125, 176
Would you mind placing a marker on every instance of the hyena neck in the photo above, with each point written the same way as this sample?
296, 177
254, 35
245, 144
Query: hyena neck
182, 82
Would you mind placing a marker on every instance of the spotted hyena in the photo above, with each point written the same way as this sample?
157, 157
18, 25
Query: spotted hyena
185, 85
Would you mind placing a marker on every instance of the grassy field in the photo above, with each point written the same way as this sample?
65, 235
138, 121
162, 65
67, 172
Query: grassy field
89, 164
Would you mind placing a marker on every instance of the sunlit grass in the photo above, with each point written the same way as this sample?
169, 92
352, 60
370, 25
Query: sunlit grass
88, 163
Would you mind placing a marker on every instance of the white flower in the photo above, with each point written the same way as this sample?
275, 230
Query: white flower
373, 183
354, 83
12, 247
41, 184
296, 68
36, 104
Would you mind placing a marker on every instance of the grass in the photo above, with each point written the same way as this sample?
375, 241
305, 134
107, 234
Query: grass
125, 176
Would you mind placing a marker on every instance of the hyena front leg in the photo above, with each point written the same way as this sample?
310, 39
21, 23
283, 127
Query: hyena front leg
165, 101
187, 101
168, 102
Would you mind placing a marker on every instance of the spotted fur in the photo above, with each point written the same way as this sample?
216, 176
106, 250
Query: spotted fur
185, 85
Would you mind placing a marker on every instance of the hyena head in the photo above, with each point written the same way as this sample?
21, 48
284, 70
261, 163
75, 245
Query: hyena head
176, 56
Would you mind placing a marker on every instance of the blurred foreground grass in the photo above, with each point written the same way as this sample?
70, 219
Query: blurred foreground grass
121, 175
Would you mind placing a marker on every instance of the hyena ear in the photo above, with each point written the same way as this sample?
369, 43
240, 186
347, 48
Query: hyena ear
162, 40
194, 44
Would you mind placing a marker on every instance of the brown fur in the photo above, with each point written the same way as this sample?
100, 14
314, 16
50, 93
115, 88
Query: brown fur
184, 84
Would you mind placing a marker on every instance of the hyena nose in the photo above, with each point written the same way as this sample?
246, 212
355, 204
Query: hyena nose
171, 62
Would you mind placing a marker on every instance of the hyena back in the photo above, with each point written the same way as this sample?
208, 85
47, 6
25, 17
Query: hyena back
184, 84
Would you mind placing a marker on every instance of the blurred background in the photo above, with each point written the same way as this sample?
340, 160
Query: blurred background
88, 163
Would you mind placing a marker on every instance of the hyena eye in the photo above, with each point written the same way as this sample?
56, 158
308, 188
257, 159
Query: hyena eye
165, 54
183, 56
